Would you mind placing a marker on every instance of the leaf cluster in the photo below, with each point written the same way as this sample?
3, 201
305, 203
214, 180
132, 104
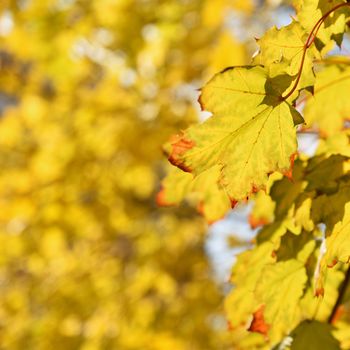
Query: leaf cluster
292, 285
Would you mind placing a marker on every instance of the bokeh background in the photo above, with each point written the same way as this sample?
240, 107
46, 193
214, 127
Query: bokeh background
89, 92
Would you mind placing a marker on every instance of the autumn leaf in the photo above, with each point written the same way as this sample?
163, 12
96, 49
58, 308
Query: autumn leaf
310, 11
209, 196
330, 105
241, 302
279, 289
251, 133
282, 50
338, 247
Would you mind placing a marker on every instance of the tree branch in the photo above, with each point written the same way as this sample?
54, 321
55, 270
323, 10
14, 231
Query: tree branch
341, 294
311, 38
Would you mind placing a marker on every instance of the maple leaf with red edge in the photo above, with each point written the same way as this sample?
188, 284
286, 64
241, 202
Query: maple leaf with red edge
179, 146
251, 134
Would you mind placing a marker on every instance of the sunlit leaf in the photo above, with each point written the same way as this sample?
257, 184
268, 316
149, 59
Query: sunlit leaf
251, 134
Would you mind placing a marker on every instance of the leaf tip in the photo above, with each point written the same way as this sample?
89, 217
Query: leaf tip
258, 324
319, 292
160, 199
289, 172
256, 222
332, 263
200, 101
233, 203
179, 145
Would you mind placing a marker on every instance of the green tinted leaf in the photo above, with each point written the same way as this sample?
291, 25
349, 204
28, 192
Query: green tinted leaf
314, 335
296, 247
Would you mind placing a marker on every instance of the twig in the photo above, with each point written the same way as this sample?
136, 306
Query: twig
310, 40
341, 294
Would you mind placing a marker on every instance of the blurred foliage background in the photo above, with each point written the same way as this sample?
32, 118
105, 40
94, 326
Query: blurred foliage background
89, 91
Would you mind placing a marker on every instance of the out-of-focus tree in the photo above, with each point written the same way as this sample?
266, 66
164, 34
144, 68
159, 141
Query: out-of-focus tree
89, 91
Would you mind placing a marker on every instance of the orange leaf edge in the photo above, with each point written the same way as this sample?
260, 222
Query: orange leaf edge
256, 222
160, 199
319, 292
258, 324
179, 146
289, 172
339, 312
333, 263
